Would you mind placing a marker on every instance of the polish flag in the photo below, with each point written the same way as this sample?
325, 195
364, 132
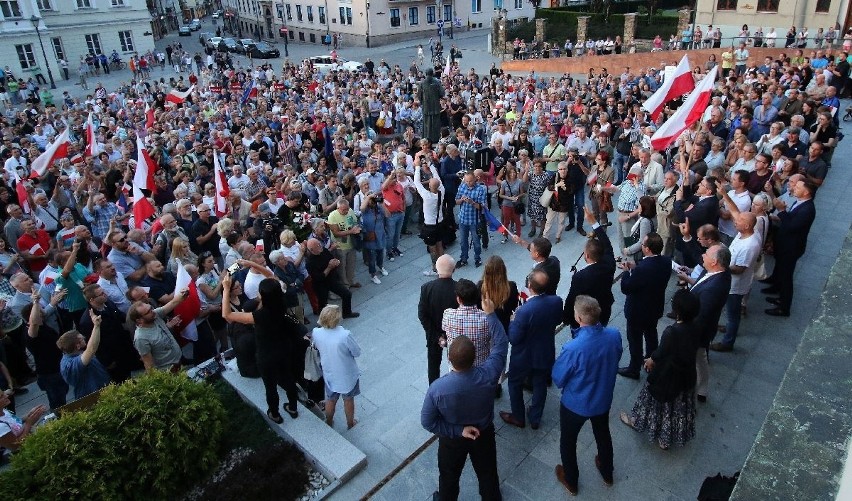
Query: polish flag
57, 149
142, 208
178, 97
189, 308
92, 147
447, 67
144, 175
250, 91
222, 188
689, 113
21, 190
673, 87
149, 116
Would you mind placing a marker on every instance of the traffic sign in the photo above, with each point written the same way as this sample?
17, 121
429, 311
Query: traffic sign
440, 23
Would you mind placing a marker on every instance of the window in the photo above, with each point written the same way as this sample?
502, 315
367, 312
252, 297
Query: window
10, 8
413, 16
821, 6
44, 5
26, 56
349, 15
313, 38
476, 6
310, 9
726, 5
58, 49
519, 4
289, 12
117, 3
394, 17
84, 4
126, 40
321, 11
448, 13
93, 43
298, 12
430, 14
767, 5
498, 4
342, 15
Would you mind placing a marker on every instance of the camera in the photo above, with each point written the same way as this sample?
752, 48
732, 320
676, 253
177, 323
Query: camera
273, 222
378, 197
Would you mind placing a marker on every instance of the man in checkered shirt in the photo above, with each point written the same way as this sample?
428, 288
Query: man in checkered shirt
468, 320
470, 198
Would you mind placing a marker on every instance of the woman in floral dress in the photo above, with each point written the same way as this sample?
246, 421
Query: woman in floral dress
537, 180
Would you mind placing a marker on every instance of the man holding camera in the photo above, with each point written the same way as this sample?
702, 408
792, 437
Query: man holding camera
470, 199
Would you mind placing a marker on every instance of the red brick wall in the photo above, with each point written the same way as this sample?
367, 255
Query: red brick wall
616, 63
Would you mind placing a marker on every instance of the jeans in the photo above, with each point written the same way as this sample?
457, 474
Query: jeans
452, 455
539, 393
55, 387
618, 161
636, 332
579, 203
375, 259
570, 424
733, 307
466, 230
393, 229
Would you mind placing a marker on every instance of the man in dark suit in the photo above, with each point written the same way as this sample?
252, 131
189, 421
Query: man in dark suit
595, 280
711, 289
701, 208
540, 253
791, 240
533, 351
435, 297
644, 285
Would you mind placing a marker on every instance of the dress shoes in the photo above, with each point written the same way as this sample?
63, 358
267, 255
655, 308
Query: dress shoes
607, 477
626, 372
766, 281
508, 418
351, 314
569, 227
581, 231
701, 398
721, 347
560, 475
769, 290
777, 312
774, 300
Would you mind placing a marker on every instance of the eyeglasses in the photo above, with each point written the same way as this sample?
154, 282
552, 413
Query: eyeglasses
122, 239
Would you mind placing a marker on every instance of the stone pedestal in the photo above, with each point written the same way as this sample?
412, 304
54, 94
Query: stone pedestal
582, 28
539, 29
500, 36
683, 16
629, 29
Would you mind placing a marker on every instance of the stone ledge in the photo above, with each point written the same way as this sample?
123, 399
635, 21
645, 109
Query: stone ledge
802, 446
331, 454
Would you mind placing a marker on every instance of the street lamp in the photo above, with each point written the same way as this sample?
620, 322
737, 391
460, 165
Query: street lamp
368, 24
36, 20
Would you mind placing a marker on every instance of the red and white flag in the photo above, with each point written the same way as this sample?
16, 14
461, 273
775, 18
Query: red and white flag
149, 116
447, 67
142, 208
57, 149
21, 190
689, 113
177, 97
673, 87
144, 175
222, 188
92, 146
189, 308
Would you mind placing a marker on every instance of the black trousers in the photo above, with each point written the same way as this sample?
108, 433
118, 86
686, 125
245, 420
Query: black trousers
570, 424
337, 287
785, 268
452, 455
275, 375
636, 333
434, 354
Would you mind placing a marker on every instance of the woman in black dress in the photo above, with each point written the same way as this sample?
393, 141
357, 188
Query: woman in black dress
496, 286
278, 339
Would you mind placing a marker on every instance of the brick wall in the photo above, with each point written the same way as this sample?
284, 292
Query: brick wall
616, 63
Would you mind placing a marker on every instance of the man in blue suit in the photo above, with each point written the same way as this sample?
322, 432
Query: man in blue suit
644, 285
533, 350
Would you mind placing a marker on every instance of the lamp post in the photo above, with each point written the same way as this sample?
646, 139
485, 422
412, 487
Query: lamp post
368, 24
36, 20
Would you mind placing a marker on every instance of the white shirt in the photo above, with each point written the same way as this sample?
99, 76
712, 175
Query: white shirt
252, 284
116, 291
431, 212
743, 203
744, 252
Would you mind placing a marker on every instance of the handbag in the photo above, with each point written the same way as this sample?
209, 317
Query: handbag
370, 236
545, 198
313, 366
380, 123
519, 207
606, 202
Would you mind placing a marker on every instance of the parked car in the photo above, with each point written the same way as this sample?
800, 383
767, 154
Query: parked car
228, 45
325, 64
213, 43
204, 36
184, 31
217, 14
195, 25
244, 44
263, 50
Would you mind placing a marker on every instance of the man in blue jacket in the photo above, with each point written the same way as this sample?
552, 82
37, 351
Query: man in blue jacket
533, 352
459, 408
585, 372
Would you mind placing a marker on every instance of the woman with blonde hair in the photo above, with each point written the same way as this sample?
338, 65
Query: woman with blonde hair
181, 255
338, 350
224, 227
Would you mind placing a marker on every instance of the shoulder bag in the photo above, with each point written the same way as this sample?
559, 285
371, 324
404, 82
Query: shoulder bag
520, 207
313, 366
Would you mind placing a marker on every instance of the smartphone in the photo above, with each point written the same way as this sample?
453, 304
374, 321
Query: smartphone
234, 268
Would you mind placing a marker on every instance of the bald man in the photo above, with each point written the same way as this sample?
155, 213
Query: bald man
435, 297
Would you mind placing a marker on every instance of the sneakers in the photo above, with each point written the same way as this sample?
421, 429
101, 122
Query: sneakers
477, 263
398, 252
383, 271
461, 264
375, 280
430, 273
391, 257
504, 240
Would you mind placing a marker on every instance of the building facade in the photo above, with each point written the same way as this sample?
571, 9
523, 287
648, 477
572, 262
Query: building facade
365, 22
731, 15
70, 29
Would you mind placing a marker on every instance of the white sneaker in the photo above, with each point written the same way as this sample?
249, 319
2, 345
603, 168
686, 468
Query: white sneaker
383, 271
376, 280
430, 273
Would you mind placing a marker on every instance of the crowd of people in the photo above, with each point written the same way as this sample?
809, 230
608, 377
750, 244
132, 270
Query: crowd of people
267, 200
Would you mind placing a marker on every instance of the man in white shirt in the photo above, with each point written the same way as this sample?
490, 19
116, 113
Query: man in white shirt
16, 164
502, 133
238, 181
747, 161
113, 285
741, 197
745, 249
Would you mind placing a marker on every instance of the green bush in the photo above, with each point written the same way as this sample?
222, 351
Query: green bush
149, 438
